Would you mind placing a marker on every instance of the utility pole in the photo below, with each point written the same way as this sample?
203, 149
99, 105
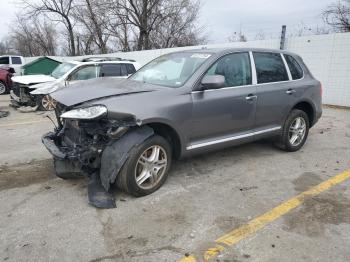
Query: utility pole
283, 36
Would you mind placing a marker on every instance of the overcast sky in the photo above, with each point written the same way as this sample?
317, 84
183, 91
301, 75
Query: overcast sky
221, 18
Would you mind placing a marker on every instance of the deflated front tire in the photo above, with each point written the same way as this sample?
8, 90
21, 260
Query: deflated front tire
147, 167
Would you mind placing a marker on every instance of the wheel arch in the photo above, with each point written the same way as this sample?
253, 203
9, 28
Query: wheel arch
170, 134
308, 108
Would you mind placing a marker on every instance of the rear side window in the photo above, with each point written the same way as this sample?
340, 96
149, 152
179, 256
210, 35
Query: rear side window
4, 60
16, 60
269, 67
113, 70
130, 68
235, 68
295, 69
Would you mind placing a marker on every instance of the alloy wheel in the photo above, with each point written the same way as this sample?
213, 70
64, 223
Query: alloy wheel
151, 167
297, 131
48, 103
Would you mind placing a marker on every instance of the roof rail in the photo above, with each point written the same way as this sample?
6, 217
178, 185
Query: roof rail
102, 59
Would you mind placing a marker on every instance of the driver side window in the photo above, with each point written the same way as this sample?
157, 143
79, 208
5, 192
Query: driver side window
235, 68
85, 73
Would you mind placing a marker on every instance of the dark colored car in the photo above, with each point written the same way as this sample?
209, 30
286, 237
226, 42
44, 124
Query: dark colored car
180, 104
5, 79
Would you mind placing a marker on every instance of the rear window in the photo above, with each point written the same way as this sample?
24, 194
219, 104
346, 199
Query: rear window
295, 69
269, 67
113, 70
16, 60
4, 60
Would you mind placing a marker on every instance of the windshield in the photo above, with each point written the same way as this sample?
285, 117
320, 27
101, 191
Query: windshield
62, 69
171, 70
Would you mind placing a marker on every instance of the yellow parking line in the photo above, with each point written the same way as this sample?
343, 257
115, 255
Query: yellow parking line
23, 123
258, 223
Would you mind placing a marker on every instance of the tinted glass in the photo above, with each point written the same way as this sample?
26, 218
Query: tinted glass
111, 70
4, 60
171, 70
16, 60
130, 68
84, 73
124, 71
235, 68
295, 69
269, 67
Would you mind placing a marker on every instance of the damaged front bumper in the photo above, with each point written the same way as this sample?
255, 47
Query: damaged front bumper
95, 149
20, 95
67, 166
49, 142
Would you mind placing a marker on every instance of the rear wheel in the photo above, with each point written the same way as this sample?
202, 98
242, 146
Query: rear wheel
3, 88
147, 167
295, 131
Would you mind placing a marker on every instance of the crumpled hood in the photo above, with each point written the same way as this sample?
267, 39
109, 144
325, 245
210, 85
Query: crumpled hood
47, 87
32, 79
93, 89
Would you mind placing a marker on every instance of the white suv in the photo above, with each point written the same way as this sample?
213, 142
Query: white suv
34, 90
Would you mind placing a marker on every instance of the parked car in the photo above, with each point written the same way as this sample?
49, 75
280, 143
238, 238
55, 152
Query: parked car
5, 79
13, 61
34, 90
180, 104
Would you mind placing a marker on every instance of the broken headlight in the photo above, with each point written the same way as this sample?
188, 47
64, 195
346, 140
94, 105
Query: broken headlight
91, 112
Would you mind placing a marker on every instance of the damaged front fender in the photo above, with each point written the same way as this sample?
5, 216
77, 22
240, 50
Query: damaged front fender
116, 153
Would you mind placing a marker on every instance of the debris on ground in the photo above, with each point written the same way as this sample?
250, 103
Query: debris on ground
4, 113
248, 188
27, 109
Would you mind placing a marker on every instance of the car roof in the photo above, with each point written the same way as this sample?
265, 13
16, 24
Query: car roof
100, 62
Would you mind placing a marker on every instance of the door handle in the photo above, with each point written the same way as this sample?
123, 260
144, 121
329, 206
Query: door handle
290, 91
250, 97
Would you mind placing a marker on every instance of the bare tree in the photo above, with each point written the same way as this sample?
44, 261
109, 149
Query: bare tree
337, 15
154, 18
100, 26
93, 15
57, 10
121, 29
33, 37
179, 27
5, 47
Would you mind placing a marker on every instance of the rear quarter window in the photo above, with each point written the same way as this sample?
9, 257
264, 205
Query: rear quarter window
269, 67
113, 70
295, 69
130, 68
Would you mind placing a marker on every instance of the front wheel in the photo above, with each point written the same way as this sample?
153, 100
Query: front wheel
46, 103
295, 131
3, 88
147, 167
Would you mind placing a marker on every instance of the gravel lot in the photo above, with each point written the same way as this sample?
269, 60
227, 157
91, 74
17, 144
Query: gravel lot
43, 218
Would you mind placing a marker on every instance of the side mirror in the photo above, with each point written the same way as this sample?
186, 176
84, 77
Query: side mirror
213, 82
